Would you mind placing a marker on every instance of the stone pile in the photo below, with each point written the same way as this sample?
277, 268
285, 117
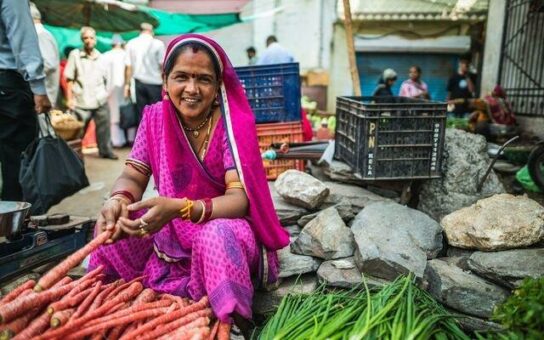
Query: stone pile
469, 262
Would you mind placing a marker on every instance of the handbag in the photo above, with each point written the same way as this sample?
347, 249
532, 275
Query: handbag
50, 171
128, 115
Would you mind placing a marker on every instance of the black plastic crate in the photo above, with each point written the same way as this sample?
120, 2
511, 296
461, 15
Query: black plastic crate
273, 91
396, 138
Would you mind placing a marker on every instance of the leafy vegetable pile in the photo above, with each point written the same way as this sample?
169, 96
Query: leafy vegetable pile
399, 310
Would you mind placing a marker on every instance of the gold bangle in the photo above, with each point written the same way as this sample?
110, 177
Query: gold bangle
185, 212
203, 212
235, 185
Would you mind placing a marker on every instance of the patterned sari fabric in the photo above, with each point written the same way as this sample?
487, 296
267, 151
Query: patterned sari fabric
222, 257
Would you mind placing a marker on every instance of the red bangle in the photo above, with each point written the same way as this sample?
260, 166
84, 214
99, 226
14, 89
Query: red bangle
209, 209
125, 193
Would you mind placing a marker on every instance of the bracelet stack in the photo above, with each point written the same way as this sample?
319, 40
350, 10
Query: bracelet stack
122, 195
235, 185
185, 212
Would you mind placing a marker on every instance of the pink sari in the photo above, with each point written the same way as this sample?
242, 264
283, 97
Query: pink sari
222, 257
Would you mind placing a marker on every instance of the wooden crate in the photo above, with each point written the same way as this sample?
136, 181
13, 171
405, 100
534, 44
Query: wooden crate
279, 133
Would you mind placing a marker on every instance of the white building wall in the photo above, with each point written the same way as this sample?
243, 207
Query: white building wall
493, 45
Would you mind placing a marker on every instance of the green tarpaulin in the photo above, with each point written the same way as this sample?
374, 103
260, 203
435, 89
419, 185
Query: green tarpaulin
169, 24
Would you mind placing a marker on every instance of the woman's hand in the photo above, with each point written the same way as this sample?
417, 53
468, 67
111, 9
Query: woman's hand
161, 210
111, 211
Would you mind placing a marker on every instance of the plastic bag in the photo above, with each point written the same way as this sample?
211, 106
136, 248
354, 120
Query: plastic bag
526, 181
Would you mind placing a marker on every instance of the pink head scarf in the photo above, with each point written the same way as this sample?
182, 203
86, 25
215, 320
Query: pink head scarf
239, 123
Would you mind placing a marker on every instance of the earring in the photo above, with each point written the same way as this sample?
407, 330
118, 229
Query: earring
165, 97
216, 100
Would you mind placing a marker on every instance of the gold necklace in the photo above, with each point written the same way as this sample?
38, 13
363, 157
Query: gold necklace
204, 147
196, 130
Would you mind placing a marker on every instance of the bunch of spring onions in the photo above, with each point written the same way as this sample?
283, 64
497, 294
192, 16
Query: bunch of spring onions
399, 310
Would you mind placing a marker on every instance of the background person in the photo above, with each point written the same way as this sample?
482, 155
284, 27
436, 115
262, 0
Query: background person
22, 91
461, 85
87, 93
275, 53
386, 82
251, 56
414, 87
143, 61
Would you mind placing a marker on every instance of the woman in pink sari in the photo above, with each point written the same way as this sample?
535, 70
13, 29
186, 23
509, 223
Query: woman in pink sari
213, 229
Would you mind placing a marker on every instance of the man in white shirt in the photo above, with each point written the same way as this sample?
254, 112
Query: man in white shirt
275, 53
86, 90
50, 53
143, 61
114, 64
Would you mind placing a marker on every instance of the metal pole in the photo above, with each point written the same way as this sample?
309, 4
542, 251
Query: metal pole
351, 50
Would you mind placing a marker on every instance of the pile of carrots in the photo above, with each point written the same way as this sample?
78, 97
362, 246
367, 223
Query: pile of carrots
57, 307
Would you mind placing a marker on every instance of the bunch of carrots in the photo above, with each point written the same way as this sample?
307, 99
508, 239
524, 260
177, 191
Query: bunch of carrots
57, 307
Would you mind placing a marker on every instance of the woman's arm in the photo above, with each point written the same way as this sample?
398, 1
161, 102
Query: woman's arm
130, 181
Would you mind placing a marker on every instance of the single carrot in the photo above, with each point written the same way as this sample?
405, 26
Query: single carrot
61, 317
65, 280
72, 299
147, 295
124, 296
223, 333
130, 328
177, 314
123, 286
33, 300
214, 330
38, 326
82, 308
102, 295
17, 325
173, 326
131, 310
178, 299
117, 321
199, 333
99, 336
17, 291
60, 270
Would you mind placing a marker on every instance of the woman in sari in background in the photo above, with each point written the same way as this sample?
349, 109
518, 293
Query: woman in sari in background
492, 109
213, 229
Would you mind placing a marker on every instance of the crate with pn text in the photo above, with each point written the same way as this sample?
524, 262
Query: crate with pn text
393, 138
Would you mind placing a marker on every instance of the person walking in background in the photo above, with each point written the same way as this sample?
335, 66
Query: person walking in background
143, 61
50, 53
22, 91
387, 80
87, 93
275, 53
461, 85
62, 65
114, 64
414, 87
251, 56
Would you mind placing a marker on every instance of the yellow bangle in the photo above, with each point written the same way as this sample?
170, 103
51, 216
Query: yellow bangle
185, 212
235, 185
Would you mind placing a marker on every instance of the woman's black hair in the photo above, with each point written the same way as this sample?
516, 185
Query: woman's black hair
418, 69
195, 46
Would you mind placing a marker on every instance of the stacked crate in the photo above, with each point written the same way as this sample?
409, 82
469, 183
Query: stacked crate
395, 138
273, 92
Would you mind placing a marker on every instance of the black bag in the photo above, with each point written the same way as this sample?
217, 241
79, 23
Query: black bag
50, 171
129, 116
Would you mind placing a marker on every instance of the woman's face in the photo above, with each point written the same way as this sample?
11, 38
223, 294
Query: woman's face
414, 74
192, 84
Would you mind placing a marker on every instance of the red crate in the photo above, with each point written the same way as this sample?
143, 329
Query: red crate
279, 133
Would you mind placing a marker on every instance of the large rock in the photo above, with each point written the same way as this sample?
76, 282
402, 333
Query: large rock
326, 237
462, 291
341, 172
301, 189
472, 324
343, 207
288, 214
358, 197
267, 302
343, 273
392, 239
500, 222
509, 267
294, 264
465, 164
